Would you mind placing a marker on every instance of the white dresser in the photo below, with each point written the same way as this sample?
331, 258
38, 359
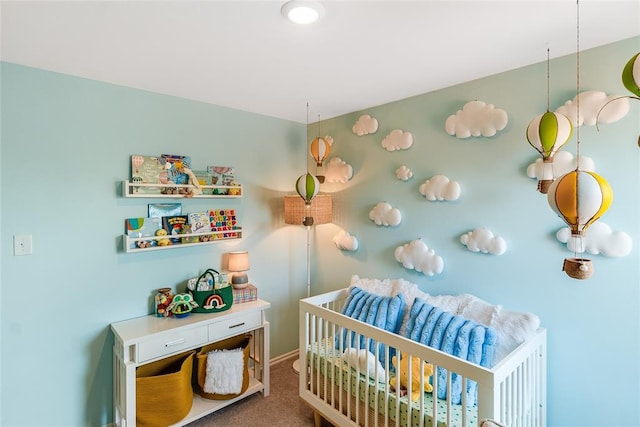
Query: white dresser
146, 339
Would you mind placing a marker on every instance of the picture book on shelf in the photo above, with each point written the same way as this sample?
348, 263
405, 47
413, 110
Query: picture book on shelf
200, 222
221, 175
174, 225
148, 170
142, 227
164, 209
177, 163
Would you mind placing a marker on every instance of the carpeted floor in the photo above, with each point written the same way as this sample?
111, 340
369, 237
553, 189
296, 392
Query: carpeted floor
282, 407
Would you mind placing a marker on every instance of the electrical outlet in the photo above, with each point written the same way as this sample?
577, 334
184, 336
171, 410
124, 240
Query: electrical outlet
22, 244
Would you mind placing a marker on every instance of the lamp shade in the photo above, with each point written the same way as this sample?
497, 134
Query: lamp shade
296, 211
238, 261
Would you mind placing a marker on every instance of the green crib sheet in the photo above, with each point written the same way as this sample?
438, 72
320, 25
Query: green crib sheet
326, 356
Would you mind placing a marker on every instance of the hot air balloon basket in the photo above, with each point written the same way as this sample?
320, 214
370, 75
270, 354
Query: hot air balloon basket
164, 394
578, 268
209, 298
543, 185
237, 342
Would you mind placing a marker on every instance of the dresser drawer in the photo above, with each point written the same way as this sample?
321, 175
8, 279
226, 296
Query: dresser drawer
235, 325
171, 342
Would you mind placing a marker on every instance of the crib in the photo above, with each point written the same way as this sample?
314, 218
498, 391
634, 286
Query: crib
347, 393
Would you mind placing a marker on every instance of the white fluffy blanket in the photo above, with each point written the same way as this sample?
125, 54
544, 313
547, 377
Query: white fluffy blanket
367, 362
225, 370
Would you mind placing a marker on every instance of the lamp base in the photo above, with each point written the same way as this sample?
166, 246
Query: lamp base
296, 366
240, 280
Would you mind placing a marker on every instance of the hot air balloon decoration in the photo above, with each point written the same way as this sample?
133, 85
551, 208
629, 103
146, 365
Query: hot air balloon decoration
319, 150
580, 198
547, 133
631, 75
307, 187
630, 80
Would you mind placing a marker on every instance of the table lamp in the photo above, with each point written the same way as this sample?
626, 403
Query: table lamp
238, 263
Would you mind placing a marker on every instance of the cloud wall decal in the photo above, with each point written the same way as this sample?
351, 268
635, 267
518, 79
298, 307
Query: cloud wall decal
403, 173
591, 102
483, 240
386, 215
365, 125
599, 238
338, 171
563, 162
345, 241
477, 118
440, 188
397, 140
416, 255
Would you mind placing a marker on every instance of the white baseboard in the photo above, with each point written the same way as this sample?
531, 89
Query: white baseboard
282, 357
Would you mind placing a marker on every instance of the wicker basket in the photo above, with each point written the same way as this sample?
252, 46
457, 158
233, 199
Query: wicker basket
240, 341
578, 268
164, 394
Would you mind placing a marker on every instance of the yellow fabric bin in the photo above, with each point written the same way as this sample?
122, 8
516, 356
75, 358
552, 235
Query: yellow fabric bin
164, 394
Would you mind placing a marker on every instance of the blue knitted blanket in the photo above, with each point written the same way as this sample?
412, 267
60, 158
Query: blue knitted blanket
455, 335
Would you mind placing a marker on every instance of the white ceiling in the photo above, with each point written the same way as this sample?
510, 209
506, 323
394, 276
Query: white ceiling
245, 55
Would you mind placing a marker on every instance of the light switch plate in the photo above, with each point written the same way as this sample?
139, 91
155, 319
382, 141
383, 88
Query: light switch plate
22, 244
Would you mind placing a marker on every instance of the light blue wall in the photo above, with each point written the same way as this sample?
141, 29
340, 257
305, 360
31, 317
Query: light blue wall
65, 148
593, 325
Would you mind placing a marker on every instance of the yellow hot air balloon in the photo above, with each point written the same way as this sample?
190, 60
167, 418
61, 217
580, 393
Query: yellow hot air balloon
547, 133
580, 198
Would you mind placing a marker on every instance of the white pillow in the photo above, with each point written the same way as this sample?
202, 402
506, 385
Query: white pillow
513, 327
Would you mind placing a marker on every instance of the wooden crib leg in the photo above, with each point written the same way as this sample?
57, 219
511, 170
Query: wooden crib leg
317, 419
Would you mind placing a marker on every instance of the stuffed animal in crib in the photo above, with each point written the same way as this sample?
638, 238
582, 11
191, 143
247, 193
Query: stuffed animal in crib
415, 375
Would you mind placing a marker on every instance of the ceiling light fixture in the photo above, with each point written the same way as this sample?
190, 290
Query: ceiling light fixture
302, 12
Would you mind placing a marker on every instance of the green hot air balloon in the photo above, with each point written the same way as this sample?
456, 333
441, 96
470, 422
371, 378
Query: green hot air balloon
547, 133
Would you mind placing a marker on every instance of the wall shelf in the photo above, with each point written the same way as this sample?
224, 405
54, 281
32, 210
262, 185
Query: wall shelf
132, 189
130, 244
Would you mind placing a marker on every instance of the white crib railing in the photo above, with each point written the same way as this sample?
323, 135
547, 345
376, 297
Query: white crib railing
513, 392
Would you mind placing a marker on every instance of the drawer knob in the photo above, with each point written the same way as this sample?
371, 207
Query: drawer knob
235, 326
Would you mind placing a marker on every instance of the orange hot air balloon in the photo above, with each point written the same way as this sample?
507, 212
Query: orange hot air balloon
580, 198
319, 150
